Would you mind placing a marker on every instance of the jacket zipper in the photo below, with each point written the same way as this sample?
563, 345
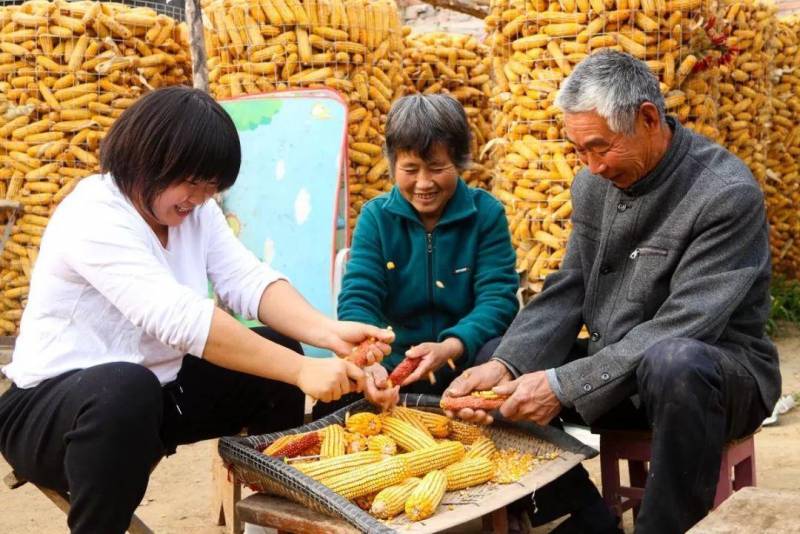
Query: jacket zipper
647, 251
429, 242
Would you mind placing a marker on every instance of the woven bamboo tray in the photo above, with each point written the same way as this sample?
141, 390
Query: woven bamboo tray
274, 476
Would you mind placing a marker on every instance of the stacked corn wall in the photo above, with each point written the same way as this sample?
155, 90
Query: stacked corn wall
461, 66
782, 183
535, 45
67, 70
353, 46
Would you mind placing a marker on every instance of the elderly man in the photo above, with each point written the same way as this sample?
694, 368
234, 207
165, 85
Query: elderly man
668, 267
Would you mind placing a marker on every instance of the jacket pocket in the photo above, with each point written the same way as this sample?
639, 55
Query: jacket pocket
649, 265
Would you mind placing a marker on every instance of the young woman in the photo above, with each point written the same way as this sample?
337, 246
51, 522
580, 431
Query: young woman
121, 354
432, 258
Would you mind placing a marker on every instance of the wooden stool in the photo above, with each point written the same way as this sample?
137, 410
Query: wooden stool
292, 518
737, 468
11, 480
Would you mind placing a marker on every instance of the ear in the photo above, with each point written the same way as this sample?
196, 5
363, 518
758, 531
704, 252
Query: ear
649, 116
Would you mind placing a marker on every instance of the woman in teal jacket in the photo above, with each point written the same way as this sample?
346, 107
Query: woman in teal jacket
433, 257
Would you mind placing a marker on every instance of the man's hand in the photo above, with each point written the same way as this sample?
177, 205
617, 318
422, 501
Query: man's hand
479, 378
344, 335
531, 399
375, 389
433, 356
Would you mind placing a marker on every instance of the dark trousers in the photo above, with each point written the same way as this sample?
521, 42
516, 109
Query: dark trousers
695, 397
444, 376
97, 433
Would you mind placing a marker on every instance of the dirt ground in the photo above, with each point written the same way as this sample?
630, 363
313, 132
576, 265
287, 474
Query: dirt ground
178, 500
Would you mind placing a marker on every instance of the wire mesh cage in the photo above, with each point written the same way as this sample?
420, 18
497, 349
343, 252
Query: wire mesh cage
67, 71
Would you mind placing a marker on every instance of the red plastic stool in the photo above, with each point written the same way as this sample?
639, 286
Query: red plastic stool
737, 470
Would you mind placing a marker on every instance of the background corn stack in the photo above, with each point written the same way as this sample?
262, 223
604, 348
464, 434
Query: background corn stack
535, 45
461, 66
782, 183
67, 70
353, 46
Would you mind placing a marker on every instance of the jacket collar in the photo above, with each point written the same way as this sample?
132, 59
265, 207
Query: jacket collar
678, 148
460, 206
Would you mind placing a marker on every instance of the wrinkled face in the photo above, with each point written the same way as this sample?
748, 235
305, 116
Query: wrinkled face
427, 185
177, 201
621, 159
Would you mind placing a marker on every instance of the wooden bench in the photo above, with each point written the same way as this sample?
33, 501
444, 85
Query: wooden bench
766, 511
13, 481
288, 517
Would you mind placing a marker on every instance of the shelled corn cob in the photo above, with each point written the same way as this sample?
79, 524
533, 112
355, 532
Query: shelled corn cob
459, 65
782, 183
535, 45
353, 46
67, 71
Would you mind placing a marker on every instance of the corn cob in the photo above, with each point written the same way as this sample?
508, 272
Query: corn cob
382, 444
466, 433
438, 425
324, 469
403, 371
430, 458
297, 446
271, 448
333, 442
354, 442
406, 435
365, 502
425, 498
468, 472
477, 400
411, 417
364, 423
360, 353
391, 501
482, 447
369, 478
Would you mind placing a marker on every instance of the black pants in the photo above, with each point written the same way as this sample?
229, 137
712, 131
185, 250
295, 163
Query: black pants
444, 376
695, 397
97, 433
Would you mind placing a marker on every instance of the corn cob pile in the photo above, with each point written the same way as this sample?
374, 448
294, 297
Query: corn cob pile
460, 66
404, 468
67, 70
782, 183
535, 45
353, 46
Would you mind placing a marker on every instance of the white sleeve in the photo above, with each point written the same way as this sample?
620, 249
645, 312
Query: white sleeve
117, 260
238, 277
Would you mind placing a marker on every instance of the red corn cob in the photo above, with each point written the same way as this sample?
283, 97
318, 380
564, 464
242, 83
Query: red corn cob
298, 446
403, 371
359, 353
478, 400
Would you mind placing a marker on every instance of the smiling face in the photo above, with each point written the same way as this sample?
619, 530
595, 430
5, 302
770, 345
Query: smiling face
619, 158
173, 205
427, 185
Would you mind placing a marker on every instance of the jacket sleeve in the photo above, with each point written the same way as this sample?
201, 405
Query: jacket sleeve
544, 332
364, 287
715, 273
495, 284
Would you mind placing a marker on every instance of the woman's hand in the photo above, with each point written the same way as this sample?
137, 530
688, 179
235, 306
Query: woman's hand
375, 389
328, 379
344, 335
433, 356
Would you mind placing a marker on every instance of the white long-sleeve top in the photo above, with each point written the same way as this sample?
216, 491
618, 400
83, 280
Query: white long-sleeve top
104, 289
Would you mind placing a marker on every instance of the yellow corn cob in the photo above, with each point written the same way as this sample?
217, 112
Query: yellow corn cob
440, 455
468, 472
382, 444
391, 501
364, 423
464, 432
325, 469
369, 478
410, 416
406, 435
425, 498
354, 442
482, 448
333, 442
438, 425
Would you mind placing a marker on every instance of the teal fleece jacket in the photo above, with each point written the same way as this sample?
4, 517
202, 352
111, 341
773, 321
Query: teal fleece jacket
456, 281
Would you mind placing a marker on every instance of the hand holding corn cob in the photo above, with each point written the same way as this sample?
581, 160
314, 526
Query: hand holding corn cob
479, 378
477, 400
530, 398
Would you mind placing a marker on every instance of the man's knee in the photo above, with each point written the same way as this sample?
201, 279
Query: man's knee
124, 394
676, 363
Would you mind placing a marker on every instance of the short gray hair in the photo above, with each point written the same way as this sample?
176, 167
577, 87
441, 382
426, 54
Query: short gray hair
614, 85
417, 122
